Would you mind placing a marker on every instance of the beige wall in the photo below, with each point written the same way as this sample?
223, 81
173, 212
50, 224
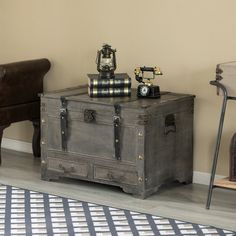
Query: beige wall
186, 38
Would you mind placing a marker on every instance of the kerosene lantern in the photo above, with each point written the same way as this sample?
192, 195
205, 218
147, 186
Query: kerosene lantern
106, 62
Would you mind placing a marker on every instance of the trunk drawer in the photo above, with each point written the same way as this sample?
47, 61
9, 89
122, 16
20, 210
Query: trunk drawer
115, 175
68, 167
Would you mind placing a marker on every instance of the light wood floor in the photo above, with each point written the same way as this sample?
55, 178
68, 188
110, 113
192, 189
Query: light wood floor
183, 202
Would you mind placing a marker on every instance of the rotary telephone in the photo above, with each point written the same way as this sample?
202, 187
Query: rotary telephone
146, 89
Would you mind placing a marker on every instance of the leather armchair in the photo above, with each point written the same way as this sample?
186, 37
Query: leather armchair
20, 84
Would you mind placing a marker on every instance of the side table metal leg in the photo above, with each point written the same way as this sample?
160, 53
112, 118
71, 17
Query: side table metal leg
214, 165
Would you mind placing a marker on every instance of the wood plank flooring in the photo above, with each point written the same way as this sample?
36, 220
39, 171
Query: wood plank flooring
225, 183
183, 202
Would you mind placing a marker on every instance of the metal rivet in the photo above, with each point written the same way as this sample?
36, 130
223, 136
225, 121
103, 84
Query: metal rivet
43, 121
140, 134
62, 132
43, 162
140, 179
42, 142
117, 140
140, 157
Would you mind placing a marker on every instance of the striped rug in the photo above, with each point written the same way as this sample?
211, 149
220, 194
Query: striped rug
30, 213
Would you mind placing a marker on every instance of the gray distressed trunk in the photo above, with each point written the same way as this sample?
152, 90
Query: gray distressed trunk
155, 140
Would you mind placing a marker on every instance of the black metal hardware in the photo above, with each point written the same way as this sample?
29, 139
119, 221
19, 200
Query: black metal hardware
218, 70
89, 115
170, 125
218, 77
64, 120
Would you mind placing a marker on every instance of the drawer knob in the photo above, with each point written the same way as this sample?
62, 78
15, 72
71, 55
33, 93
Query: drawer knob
42, 142
67, 170
115, 178
110, 176
43, 121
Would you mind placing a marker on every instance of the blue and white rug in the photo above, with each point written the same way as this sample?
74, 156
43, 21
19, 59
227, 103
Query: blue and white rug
25, 212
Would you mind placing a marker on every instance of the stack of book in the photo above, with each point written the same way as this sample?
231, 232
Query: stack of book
120, 86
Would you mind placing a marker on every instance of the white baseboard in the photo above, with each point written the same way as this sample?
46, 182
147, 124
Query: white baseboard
198, 177
203, 177
17, 145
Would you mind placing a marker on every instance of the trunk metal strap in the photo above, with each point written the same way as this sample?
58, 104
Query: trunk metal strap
117, 127
64, 119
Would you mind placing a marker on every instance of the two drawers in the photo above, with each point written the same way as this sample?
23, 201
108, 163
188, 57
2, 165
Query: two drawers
92, 171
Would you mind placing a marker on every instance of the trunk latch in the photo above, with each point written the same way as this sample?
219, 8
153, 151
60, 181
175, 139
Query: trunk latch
89, 116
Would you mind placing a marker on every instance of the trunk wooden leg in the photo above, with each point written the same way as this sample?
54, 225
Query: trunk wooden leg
2, 127
185, 177
36, 138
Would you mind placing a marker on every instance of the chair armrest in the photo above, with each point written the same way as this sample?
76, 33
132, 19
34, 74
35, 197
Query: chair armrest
21, 82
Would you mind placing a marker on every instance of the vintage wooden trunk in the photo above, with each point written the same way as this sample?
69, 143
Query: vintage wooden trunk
137, 144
